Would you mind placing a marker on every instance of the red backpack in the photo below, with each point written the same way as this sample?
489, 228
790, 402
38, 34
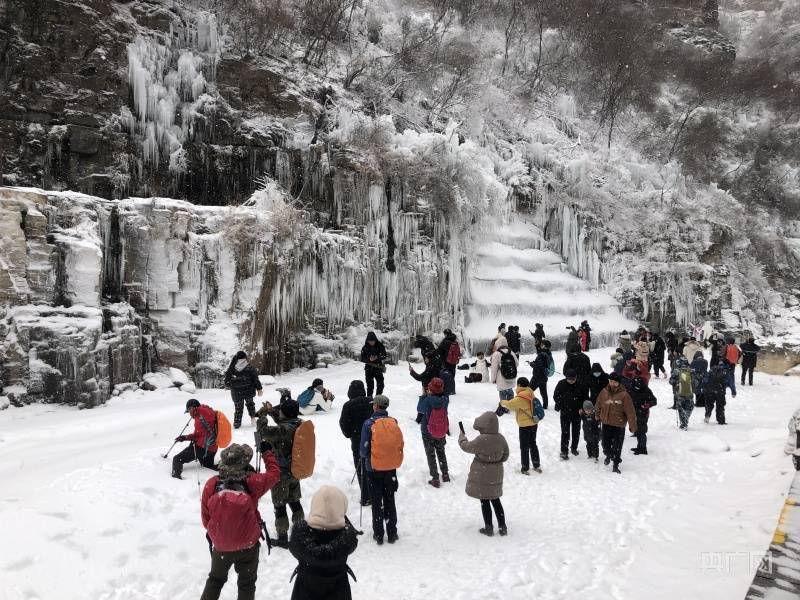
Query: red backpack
453, 354
438, 423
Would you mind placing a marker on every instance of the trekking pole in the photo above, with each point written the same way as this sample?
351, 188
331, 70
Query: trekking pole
176, 441
258, 451
198, 469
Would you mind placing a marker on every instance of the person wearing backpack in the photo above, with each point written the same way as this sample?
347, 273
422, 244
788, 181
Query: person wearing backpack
543, 369
315, 398
355, 411
682, 390
528, 412
714, 384
588, 334
569, 397
321, 545
485, 479
281, 437
373, 355
433, 422
699, 369
504, 369
449, 352
203, 446
591, 430
382, 454
613, 409
750, 352
432, 369
229, 512
732, 356
242, 379
643, 400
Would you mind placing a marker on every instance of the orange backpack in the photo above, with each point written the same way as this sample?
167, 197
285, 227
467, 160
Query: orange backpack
386, 447
732, 353
224, 430
304, 448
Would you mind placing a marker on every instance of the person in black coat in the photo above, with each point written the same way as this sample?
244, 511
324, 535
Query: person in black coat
643, 399
514, 339
539, 376
657, 355
538, 335
432, 369
585, 327
598, 382
444, 349
355, 411
750, 352
580, 363
424, 344
321, 544
373, 354
714, 384
699, 368
569, 397
242, 379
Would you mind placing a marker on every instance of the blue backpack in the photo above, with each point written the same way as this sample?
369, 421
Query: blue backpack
538, 410
305, 398
551, 366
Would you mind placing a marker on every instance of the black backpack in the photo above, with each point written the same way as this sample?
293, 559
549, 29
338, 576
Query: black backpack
508, 366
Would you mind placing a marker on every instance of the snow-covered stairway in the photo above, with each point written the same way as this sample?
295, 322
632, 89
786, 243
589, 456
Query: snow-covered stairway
518, 281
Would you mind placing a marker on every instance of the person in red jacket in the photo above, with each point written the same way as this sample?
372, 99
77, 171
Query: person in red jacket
229, 511
203, 445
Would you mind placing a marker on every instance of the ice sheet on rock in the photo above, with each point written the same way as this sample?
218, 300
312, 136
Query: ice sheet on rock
158, 381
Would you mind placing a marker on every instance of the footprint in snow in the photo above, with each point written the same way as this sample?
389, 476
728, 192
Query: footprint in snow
19, 565
150, 549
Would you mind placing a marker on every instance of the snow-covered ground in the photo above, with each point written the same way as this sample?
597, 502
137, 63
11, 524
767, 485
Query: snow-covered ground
88, 509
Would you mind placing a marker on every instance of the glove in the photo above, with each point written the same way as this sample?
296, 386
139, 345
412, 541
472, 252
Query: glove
180, 438
264, 447
419, 418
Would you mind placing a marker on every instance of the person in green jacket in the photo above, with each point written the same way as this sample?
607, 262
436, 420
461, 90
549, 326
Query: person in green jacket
523, 406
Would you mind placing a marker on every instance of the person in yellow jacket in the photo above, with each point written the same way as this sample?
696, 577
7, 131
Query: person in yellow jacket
523, 404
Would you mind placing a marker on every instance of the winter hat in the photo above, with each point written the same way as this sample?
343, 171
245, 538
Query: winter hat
588, 407
615, 377
316, 383
234, 461
289, 408
371, 337
597, 368
523, 382
356, 389
328, 509
570, 374
381, 401
193, 403
436, 386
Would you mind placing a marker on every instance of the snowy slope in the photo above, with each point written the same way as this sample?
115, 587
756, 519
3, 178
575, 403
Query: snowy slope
88, 509
519, 280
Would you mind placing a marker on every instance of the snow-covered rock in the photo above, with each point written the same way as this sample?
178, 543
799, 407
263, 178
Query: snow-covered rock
178, 377
709, 444
188, 387
4, 402
156, 381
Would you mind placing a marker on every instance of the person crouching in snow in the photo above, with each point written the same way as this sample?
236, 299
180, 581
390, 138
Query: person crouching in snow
485, 480
315, 398
479, 370
433, 422
526, 406
229, 511
203, 445
591, 430
321, 545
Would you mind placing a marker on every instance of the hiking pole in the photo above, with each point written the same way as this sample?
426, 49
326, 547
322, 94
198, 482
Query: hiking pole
198, 469
176, 441
257, 438
347, 520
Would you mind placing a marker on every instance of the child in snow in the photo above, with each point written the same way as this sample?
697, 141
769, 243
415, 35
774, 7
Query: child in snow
432, 419
526, 406
479, 370
321, 545
315, 398
591, 430
485, 480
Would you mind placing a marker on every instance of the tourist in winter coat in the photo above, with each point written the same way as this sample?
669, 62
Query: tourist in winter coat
424, 344
691, 348
657, 355
538, 335
616, 359
504, 382
750, 352
315, 398
373, 355
281, 437
597, 382
321, 544
432, 419
614, 408
383, 483
682, 391
432, 369
625, 341
573, 341
242, 379
479, 370
203, 440
643, 400
582, 340
588, 331
642, 350
355, 411
449, 355
514, 339
229, 512
569, 397
485, 479
580, 363
672, 346
541, 370
699, 369
501, 333
591, 430
523, 404
714, 384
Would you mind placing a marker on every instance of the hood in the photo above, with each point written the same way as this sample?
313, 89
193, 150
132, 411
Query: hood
698, 354
371, 337
525, 392
356, 390
501, 342
328, 509
597, 368
487, 423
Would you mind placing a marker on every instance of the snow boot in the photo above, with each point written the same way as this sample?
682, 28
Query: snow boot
564, 456
434, 482
639, 451
596, 459
616, 468
378, 539
176, 475
488, 531
525, 472
537, 469
282, 541
706, 419
392, 538
607, 461
574, 452
445, 477
502, 530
